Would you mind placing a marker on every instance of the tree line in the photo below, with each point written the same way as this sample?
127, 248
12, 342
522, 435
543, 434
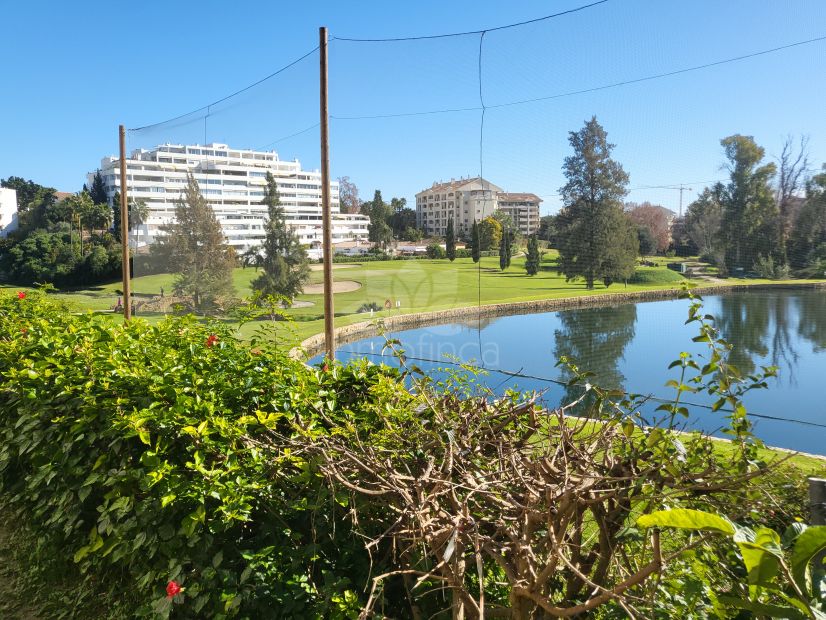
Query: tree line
64, 241
193, 247
768, 218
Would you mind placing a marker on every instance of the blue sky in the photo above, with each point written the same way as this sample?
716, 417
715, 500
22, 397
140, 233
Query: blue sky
66, 86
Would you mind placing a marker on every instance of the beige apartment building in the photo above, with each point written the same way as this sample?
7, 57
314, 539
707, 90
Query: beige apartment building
468, 200
523, 210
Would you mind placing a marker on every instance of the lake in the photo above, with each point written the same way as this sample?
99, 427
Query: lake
630, 346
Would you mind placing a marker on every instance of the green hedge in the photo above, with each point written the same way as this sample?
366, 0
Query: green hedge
133, 448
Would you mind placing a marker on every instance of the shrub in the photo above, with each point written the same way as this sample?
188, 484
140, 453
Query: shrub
371, 306
434, 250
174, 452
766, 267
137, 450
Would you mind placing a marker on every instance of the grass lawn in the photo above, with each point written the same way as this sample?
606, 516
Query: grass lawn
416, 285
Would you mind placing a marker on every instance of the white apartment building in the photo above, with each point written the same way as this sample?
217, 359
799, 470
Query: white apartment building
464, 201
232, 182
523, 210
8, 211
469, 200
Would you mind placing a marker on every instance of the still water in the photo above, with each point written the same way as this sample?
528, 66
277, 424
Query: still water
630, 346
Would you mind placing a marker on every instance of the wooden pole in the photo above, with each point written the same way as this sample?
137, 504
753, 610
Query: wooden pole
817, 501
327, 232
124, 229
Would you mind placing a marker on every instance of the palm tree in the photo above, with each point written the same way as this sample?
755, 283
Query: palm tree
138, 214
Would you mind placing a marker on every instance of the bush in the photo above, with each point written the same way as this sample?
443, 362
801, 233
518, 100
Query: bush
369, 307
153, 453
434, 250
765, 267
137, 450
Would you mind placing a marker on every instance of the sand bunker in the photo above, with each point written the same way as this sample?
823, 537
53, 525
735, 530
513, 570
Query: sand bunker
317, 267
339, 286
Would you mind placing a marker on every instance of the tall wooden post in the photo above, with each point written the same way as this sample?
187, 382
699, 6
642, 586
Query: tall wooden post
327, 231
817, 501
124, 229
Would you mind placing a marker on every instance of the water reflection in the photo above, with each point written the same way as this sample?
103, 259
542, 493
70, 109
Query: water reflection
594, 339
629, 347
812, 324
760, 327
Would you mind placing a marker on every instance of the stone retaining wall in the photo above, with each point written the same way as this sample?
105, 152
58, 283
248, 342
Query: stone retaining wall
365, 329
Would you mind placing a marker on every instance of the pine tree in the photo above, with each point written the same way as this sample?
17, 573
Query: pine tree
450, 241
533, 257
596, 240
197, 251
285, 268
474, 242
98, 190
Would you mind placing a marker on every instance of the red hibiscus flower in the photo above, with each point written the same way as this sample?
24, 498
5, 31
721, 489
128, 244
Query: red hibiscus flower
325, 368
211, 340
21, 295
172, 589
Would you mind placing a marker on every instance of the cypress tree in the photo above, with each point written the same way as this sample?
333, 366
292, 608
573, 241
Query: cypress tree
504, 251
116, 215
474, 242
450, 241
533, 257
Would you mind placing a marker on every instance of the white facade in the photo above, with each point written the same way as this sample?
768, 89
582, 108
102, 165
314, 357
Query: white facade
232, 182
8, 211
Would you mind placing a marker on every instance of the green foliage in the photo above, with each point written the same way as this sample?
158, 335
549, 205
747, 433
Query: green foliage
33, 200
533, 257
379, 212
475, 242
147, 453
98, 190
766, 267
807, 245
505, 250
703, 223
781, 580
548, 230
403, 220
64, 242
647, 243
435, 250
749, 226
597, 241
490, 234
281, 257
139, 451
197, 252
412, 234
450, 241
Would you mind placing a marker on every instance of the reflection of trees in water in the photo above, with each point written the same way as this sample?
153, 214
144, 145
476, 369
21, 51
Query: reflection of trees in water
812, 325
759, 325
595, 339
